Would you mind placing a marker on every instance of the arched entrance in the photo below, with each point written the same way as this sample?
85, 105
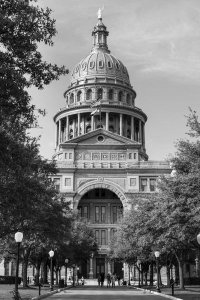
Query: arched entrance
102, 209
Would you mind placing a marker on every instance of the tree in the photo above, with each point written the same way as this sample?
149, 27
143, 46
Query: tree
169, 220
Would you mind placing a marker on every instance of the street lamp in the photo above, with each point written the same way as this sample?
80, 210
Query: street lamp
66, 262
18, 239
139, 263
157, 254
51, 254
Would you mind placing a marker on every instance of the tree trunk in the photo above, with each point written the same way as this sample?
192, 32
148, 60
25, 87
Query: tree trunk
181, 279
24, 272
151, 274
145, 278
44, 272
37, 274
168, 275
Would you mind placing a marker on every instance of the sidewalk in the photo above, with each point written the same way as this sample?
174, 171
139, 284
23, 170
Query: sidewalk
191, 292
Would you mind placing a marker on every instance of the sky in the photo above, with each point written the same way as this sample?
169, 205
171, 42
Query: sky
159, 43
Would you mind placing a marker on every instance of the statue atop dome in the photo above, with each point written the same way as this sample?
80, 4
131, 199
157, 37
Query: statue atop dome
99, 13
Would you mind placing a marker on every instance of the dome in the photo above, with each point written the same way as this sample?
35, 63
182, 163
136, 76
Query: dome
100, 64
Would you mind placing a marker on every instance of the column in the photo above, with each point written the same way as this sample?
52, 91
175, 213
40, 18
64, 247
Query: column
92, 123
56, 135
107, 120
74, 127
120, 125
143, 135
109, 212
91, 274
132, 128
59, 131
140, 131
108, 235
78, 124
67, 128
109, 267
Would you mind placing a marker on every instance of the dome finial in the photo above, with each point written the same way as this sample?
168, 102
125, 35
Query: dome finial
99, 13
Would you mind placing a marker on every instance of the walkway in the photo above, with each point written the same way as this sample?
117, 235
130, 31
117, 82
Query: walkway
97, 293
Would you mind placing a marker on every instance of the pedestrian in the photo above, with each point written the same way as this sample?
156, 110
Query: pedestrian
82, 280
102, 279
118, 279
108, 277
99, 279
113, 278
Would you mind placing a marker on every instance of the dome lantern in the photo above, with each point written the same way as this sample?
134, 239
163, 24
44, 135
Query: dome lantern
100, 35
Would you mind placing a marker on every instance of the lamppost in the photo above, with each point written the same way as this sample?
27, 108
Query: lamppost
157, 254
51, 254
66, 262
139, 263
18, 239
197, 260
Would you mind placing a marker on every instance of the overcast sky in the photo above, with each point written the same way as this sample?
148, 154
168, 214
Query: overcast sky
159, 43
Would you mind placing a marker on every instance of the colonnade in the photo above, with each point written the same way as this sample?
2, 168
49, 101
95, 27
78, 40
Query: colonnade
78, 124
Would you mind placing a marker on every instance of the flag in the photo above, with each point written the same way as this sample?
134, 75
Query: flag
97, 107
97, 111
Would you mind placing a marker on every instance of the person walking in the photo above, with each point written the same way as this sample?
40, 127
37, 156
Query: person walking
113, 278
102, 279
118, 279
108, 280
99, 279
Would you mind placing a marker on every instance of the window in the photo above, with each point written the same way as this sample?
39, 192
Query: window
100, 94
89, 94
91, 64
120, 95
143, 184
109, 64
97, 236
70, 155
111, 128
79, 96
114, 214
128, 99
72, 98
56, 182
130, 155
68, 181
85, 212
103, 214
117, 65
135, 155
110, 94
97, 217
103, 237
101, 64
132, 181
152, 183
80, 211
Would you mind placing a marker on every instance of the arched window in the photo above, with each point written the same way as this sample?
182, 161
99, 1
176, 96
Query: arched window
100, 94
110, 94
120, 95
71, 98
128, 99
89, 94
79, 96
111, 128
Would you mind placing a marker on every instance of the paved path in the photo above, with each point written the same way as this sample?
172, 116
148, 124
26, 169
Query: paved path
96, 293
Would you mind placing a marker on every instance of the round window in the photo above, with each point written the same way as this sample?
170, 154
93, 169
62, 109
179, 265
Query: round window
100, 138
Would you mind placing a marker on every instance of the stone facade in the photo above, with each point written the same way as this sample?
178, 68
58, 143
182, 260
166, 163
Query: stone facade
103, 168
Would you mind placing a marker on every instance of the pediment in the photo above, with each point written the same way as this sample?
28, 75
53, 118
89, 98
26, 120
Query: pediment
102, 137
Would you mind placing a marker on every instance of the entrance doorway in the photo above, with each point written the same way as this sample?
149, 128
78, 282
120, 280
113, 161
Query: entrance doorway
100, 266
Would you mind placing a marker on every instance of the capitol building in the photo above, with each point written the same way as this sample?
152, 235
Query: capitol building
103, 167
